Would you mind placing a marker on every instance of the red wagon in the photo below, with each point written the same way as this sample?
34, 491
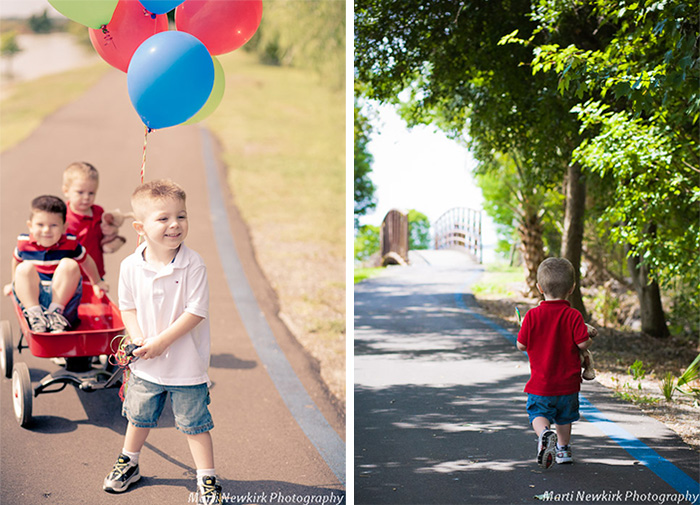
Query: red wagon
100, 323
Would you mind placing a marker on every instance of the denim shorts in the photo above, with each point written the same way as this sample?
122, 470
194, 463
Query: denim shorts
70, 312
145, 400
557, 409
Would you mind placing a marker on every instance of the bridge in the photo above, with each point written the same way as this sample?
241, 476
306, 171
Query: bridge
458, 228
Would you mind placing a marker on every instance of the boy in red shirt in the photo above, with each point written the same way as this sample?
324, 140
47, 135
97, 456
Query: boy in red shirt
552, 334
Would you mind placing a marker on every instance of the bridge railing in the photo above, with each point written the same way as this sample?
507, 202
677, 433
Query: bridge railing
460, 228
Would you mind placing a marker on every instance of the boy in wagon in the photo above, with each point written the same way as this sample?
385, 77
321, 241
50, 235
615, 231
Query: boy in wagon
46, 265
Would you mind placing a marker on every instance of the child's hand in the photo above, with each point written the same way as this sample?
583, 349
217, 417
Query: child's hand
151, 349
7, 289
100, 289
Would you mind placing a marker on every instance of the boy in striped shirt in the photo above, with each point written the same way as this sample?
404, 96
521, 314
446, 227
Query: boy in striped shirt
46, 264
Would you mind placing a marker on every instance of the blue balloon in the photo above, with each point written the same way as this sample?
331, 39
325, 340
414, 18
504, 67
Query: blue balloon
160, 6
170, 78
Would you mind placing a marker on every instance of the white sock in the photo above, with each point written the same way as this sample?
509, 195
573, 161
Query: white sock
36, 310
56, 307
206, 472
133, 456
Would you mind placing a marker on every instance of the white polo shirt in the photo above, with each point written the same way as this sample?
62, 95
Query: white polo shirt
160, 297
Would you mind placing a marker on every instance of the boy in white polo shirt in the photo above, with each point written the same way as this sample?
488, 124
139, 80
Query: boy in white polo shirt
164, 301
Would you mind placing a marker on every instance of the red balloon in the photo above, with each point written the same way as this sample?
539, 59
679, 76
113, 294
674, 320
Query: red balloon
222, 26
131, 24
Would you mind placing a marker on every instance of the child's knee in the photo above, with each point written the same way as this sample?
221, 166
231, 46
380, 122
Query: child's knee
69, 267
25, 270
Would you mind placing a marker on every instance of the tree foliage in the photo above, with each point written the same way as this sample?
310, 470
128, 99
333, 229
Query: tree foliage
603, 93
418, 230
364, 188
306, 34
366, 242
639, 107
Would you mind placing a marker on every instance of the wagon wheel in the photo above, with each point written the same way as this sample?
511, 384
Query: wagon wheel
22, 394
6, 348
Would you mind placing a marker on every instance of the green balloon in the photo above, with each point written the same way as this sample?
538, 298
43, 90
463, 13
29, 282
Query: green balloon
92, 13
217, 93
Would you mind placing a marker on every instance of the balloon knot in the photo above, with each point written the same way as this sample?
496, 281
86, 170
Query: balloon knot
104, 29
146, 12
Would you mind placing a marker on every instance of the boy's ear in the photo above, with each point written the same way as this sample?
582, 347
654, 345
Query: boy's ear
29, 224
138, 226
539, 288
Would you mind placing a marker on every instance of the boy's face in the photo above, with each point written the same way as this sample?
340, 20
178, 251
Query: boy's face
46, 227
81, 194
164, 223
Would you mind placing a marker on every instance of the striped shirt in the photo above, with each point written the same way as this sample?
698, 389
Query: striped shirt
46, 259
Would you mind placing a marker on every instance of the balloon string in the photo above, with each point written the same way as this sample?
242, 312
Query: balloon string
143, 158
143, 163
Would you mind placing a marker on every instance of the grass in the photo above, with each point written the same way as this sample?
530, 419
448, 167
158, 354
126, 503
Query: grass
367, 273
499, 280
25, 105
283, 137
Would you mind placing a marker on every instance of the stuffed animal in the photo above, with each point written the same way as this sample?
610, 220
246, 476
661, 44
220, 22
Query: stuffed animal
587, 357
111, 221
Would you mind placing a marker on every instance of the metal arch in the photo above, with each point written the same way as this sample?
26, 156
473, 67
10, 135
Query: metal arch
460, 227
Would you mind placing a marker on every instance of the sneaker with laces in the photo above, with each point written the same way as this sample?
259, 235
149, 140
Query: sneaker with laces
123, 475
209, 491
546, 448
37, 322
564, 455
57, 321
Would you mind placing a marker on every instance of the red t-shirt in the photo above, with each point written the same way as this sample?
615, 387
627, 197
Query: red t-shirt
551, 332
89, 233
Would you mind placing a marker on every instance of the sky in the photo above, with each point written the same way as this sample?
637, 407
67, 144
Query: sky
422, 169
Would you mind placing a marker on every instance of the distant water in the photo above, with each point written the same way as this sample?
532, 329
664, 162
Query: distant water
46, 54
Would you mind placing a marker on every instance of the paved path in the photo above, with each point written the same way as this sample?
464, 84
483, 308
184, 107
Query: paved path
440, 413
262, 444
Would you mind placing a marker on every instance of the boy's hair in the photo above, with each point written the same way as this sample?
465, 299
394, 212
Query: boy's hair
556, 277
79, 169
48, 203
160, 189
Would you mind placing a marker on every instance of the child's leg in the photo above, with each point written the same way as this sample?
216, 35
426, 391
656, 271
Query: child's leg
65, 281
202, 449
27, 284
540, 424
135, 438
563, 434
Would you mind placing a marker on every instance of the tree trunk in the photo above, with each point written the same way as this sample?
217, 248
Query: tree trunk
531, 247
649, 294
572, 241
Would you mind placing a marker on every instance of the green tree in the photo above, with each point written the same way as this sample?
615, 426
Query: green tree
640, 105
418, 230
364, 188
306, 34
41, 23
526, 210
9, 48
446, 56
366, 242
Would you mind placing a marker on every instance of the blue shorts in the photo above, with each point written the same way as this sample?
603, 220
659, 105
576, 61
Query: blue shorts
70, 312
557, 409
145, 400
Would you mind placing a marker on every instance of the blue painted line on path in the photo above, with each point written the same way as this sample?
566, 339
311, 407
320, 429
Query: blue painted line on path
324, 438
662, 467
